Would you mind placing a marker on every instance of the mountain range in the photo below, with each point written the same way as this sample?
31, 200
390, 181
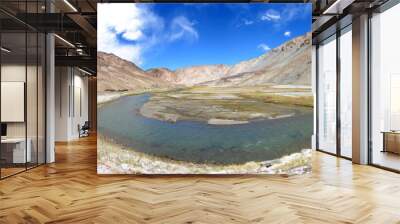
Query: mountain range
289, 63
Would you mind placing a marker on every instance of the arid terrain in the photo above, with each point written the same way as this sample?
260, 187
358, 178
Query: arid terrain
275, 85
115, 158
227, 105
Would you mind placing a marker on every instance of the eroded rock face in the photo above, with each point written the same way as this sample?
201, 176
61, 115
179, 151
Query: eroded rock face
116, 74
286, 64
199, 74
164, 74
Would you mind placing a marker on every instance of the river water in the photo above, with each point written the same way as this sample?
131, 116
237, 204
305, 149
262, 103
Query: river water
200, 142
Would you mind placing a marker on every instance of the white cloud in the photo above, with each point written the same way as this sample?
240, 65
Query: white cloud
122, 30
271, 15
130, 30
244, 22
181, 28
293, 11
287, 14
247, 22
264, 47
287, 34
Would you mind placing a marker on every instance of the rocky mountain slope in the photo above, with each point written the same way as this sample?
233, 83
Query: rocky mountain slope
289, 63
199, 74
163, 74
286, 64
116, 74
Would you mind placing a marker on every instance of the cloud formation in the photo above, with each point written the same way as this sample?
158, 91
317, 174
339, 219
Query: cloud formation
130, 30
293, 11
181, 27
287, 34
264, 47
271, 15
247, 22
289, 13
127, 30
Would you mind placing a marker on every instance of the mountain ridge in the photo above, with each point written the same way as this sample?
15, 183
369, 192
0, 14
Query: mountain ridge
289, 63
117, 74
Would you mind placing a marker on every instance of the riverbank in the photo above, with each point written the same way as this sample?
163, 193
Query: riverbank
215, 121
109, 96
227, 105
113, 158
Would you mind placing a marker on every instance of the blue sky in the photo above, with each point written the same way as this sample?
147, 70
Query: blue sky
182, 35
